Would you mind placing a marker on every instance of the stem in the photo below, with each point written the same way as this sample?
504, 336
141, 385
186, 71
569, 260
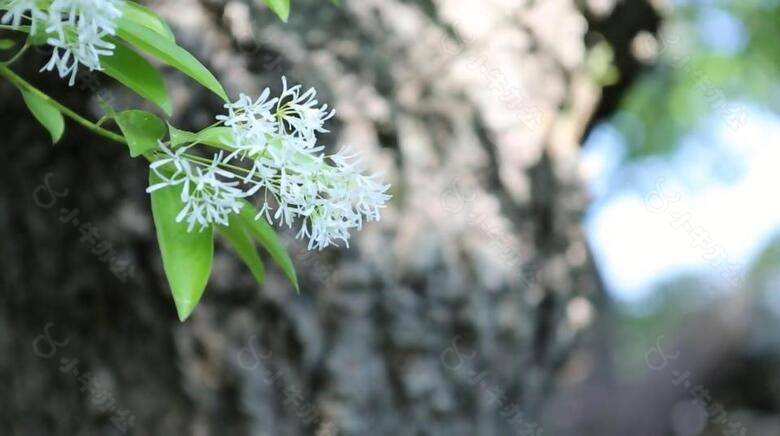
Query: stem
22, 84
207, 162
18, 54
18, 28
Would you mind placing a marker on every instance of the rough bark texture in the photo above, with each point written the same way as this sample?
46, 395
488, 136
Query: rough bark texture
364, 340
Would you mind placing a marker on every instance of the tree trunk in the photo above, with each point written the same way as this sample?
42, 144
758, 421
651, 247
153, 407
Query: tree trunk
461, 303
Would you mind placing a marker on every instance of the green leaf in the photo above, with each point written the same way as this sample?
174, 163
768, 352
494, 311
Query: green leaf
186, 256
168, 52
268, 238
135, 13
280, 7
179, 137
135, 72
213, 136
236, 234
5, 43
143, 130
46, 114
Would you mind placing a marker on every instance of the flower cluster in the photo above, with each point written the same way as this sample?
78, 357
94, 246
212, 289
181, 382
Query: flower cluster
209, 192
78, 30
270, 148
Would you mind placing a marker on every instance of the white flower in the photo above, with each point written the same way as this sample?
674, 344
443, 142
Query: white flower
328, 199
328, 196
18, 9
209, 193
251, 123
78, 31
347, 197
181, 167
299, 115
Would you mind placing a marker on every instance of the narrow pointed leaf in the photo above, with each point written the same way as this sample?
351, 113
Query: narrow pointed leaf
236, 234
179, 136
135, 72
186, 256
142, 130
280, 7
46, 114
268, 238
135, 13
168, 52
218, 137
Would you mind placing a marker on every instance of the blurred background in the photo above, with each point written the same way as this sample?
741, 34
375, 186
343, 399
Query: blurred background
582, 238
684, 235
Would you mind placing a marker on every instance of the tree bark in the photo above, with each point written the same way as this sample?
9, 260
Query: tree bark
480, 253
